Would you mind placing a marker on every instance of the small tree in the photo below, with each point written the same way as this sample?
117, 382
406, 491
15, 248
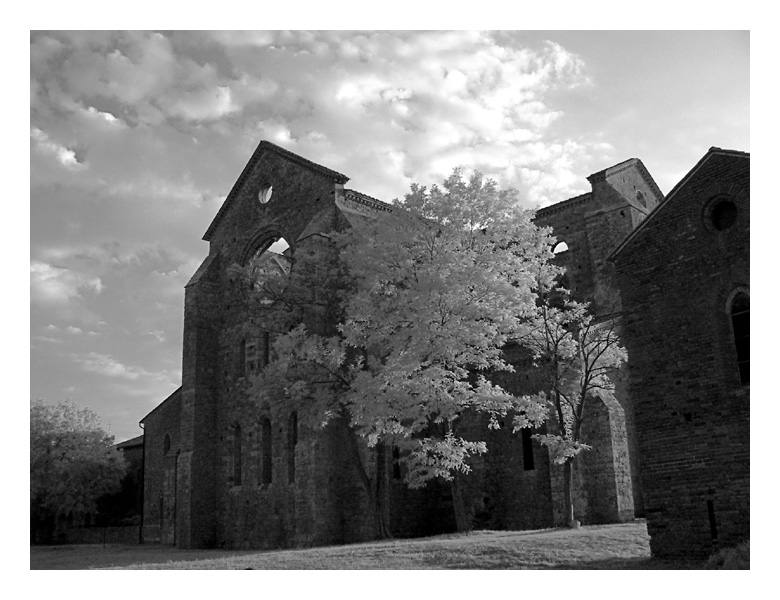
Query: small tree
72, 463
576, 354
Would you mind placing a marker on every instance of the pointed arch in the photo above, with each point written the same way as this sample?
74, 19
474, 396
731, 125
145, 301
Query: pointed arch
237, 455
266, 451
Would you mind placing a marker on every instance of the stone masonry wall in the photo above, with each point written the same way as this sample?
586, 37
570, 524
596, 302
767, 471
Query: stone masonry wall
159, 466
254, 505
593, 225
676, 277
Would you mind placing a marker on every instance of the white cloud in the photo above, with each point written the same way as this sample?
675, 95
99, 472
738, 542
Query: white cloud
104, 117
108, 366
435, 97
243, 38
203, 104
57, 285
64, 155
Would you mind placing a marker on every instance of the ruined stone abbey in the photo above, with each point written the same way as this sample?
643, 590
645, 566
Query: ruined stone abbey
673, 447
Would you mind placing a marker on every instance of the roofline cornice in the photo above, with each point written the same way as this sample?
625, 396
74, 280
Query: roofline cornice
564, 204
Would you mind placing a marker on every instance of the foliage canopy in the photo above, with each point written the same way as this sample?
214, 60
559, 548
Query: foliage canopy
430, 295
72, 460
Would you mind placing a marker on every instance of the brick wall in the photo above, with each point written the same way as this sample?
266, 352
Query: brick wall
692, 413
159, 468
225, 341
593, 225
198, 487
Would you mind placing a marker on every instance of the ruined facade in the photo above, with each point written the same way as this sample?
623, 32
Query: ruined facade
223, 470
684, 278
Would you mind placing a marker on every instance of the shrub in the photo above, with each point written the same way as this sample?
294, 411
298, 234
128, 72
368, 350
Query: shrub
737, 557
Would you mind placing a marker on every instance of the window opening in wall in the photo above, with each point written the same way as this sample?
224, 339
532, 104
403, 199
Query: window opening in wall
740, 322
266, 458
292, 441
166, 444
713, 524
270, 266
237, 450
266, 358
396, 462
724, 215
264, 194
280, 246
641, 198
528, 450
560, 247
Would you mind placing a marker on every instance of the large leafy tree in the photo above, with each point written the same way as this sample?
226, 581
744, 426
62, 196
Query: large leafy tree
434, 290
441, 286
72, 463
576, 355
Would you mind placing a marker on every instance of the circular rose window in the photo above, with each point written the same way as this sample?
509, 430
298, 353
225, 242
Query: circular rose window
724, 215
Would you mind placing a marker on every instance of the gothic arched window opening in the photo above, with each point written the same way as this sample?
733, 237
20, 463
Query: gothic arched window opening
237, 451
266, 457
528, 450
740, 324
269, 267
396, 463
292, 441
266, 357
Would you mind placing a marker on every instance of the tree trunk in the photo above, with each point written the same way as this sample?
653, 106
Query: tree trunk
462, 519
382, 496
377, 501
568, 502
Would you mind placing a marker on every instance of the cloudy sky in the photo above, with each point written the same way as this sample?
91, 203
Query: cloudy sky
136, 139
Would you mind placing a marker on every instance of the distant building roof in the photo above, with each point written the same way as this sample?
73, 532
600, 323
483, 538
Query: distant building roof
601, 176
175, 394
131, 443
710, 153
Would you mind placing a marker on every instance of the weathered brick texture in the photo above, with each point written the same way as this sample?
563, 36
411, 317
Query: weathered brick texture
677, 275
593, 225
159, 467
276, 493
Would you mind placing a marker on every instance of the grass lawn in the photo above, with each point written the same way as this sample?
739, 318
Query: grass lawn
624, 546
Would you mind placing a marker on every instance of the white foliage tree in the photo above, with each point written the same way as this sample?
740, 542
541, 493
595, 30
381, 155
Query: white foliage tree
435, 289
576, 355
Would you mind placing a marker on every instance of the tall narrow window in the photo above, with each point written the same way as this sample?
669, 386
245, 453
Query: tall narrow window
266, 358
166, 444
292, 441
266, 458
740, 321
237, 450
396, 462
528, 450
